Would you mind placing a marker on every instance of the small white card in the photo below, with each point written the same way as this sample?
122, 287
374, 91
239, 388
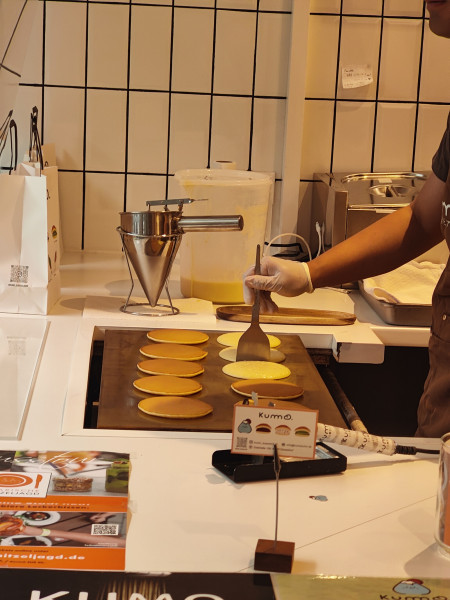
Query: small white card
257, 428
354, 76
24, 485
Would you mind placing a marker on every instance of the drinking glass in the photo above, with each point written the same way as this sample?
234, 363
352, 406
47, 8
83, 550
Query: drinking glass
442, 532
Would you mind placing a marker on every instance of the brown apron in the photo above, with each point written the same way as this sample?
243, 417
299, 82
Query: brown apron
434, 407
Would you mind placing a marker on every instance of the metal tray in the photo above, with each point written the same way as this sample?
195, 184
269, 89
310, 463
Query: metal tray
412, 315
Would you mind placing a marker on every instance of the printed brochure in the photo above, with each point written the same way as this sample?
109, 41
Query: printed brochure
63, 509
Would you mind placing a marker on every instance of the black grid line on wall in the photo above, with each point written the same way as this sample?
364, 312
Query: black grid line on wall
255, 111
88, 88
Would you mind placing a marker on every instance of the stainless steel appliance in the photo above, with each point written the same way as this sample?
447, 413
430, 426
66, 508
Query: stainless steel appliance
345, 203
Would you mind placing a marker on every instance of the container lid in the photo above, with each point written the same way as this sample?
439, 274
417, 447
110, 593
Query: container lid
221, 177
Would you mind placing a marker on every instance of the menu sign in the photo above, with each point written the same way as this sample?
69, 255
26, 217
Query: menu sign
63, 510
66, 585
259, 425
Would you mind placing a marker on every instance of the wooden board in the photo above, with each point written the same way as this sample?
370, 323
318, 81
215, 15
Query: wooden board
289, 316
118, 398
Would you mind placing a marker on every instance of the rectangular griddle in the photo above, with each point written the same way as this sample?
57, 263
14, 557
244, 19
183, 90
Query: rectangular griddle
118, 399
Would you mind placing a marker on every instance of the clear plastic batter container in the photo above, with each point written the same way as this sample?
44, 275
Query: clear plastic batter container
212, 263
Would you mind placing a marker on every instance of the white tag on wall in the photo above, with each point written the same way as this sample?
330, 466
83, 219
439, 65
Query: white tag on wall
354, 76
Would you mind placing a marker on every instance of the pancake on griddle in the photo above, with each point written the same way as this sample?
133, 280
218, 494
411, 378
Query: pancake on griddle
170, 366
256, 369
229, 353
175, 407
175, 351
177, 336
281, 390
231, 338
167, 385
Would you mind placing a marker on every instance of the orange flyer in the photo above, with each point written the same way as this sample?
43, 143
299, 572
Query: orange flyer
63, 509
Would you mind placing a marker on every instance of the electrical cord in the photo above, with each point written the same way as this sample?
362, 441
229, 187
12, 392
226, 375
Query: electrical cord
295, 235
319, 235
413, 450
366, 441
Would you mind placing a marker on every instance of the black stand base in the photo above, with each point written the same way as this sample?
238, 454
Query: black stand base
271, 556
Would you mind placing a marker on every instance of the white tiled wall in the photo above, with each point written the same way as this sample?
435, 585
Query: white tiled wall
374, 125
132, 90
14, 22
393, 124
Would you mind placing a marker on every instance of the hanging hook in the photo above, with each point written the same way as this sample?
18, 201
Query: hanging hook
35, 149
13, 142
4, 128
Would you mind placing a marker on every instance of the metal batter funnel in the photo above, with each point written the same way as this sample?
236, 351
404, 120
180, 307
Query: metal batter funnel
151, 239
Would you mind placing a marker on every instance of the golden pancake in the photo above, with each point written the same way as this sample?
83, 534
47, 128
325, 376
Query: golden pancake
232, 339
229, 353
256, 369
175, 407
267, 388
176, 351
167, 385
177, 336
170, 366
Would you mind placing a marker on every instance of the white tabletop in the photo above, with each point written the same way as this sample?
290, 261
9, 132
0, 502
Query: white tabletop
377, 518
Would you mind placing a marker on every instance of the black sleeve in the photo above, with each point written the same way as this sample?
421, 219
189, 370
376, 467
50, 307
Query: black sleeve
441, 159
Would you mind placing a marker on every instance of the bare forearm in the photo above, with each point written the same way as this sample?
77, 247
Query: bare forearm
385, 245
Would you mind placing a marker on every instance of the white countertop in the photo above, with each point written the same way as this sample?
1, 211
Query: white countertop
105, 277
378, 519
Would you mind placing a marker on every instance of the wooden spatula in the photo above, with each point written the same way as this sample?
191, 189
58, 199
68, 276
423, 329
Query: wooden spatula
254, 343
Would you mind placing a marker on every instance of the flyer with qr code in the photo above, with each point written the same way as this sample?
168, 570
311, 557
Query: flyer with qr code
63, 509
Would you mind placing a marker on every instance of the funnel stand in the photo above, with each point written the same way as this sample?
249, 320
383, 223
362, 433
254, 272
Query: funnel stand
145, 308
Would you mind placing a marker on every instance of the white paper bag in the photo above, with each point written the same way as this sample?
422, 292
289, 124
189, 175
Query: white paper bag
29, 243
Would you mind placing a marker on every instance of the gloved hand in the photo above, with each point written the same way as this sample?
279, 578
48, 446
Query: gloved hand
285, 277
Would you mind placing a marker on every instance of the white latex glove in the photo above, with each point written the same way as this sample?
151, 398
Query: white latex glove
285, 277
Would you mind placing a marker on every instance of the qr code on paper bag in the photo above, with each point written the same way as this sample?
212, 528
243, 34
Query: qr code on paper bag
105, 529
19, 275
17, 346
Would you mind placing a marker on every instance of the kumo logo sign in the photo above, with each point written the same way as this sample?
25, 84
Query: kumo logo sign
36, 595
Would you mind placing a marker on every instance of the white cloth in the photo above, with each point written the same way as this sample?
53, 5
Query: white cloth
412, 283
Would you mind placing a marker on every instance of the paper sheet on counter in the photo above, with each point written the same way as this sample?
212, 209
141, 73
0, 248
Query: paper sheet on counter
412, 283
21, 345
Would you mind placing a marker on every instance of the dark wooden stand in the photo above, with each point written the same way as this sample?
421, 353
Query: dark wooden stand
271, 555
